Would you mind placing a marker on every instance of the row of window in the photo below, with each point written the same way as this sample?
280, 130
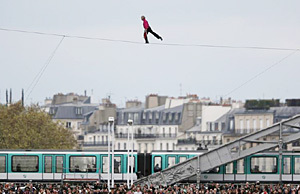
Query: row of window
76, 164
257, 165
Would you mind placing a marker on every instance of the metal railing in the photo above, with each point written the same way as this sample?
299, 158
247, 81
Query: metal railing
144, 136
202, 142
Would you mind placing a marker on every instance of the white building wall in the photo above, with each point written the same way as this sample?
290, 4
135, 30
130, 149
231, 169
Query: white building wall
211, 113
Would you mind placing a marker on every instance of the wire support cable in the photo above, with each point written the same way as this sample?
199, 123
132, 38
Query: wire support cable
260, 73
158, 44
41, 72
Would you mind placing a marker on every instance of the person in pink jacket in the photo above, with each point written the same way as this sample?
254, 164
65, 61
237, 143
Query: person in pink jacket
148, 29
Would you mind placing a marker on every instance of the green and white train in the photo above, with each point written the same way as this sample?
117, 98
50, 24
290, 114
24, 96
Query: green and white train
78, 165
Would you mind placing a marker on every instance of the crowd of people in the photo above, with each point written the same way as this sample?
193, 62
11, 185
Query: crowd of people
99, 188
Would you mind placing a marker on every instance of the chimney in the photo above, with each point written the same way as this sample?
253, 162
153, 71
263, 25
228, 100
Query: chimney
6, 97
10, 96
22, 98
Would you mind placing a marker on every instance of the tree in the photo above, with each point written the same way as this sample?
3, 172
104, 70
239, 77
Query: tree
31, 128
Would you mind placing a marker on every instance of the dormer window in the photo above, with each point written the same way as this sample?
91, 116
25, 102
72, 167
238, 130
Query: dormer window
78, 110
52, 111
150, 115
170, 116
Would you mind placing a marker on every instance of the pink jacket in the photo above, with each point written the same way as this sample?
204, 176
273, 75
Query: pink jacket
146, 24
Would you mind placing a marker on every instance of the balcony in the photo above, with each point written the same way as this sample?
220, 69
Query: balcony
198, 142
94, 143
146, 136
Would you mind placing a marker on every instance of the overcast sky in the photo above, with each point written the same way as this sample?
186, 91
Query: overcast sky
131, 71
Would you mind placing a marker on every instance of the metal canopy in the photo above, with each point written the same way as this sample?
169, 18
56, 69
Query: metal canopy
225, 154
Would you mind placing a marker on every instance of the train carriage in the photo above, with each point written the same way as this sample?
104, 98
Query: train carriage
51, 165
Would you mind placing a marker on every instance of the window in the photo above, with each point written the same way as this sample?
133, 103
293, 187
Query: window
248, 125
254, 124
82, 164
124, 146
59, 164
241, 126
164, 116
231, 124
25, 163
216, 126
136, 117
260, 123
268, 122
119, 146
261, 164
150, 115
214, 170
240, 166
171, 161
105, 164
153, 148
182, 158
78, 125
297, 165
157, 163
117, 164
131, 163
167, 146
170, 116
286, 165
229, 168
161, 146
146, 147
68, 125
157, 115
78, 110
222, 126
144, 115
48, 164
2, 164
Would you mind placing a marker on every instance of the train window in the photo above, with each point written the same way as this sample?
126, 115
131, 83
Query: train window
25, 163
82, 164
240, 166
59, 164
2, 164
261, 164
157, 163
213, 171
48, 164
286, 165
105, 164
229, 168
117, 164
131, 163
297, 165
182, 158
171, 161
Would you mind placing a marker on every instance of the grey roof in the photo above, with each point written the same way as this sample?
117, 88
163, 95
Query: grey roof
254, 111
68, 111
286, 111
153, 116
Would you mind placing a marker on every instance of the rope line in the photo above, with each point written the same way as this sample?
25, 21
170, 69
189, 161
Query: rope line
41, 72
158, 44
262, 72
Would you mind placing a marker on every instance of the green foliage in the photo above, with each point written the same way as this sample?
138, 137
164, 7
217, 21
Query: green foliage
261, 104
31, 128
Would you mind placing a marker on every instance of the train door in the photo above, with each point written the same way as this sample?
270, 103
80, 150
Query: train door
287, 168
48, 167
240, 170
59, 161
229, 172
296, 168
3, 166
170, 160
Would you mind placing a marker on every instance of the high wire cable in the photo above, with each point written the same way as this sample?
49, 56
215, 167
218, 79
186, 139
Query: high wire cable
159, 44
41, 72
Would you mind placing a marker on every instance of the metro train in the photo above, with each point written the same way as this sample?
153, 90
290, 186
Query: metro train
78, 165
263, 167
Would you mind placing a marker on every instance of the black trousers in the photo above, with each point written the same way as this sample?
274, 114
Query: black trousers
154, 34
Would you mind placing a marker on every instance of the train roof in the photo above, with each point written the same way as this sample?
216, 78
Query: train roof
59, 151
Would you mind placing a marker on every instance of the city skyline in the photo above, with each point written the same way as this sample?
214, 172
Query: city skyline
131, 71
